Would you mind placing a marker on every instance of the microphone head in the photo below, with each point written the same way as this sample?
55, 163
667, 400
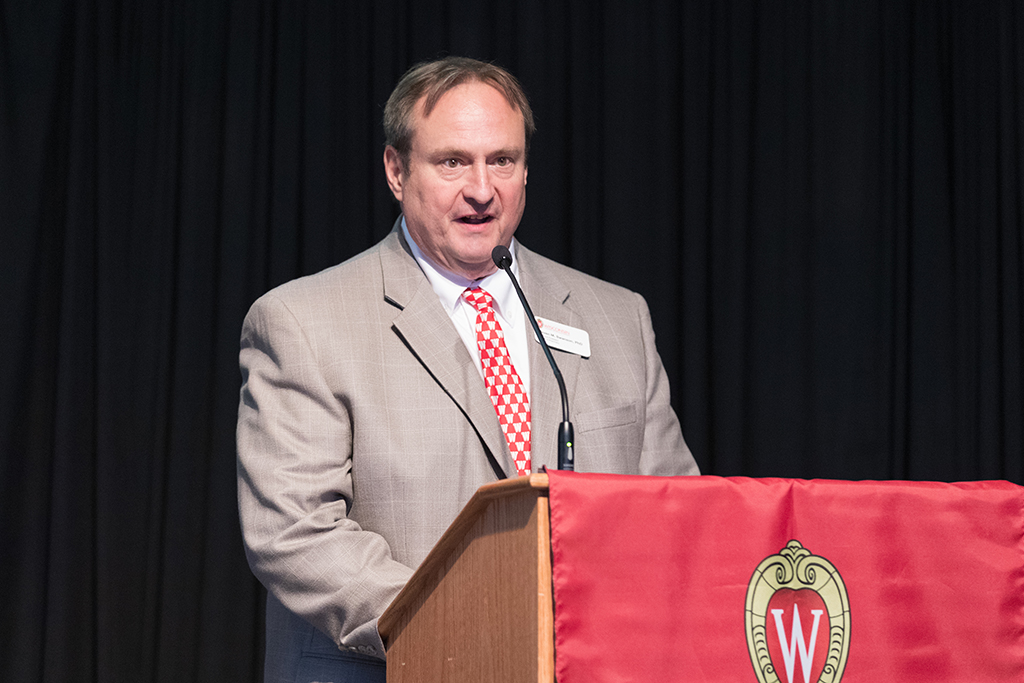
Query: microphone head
501, 257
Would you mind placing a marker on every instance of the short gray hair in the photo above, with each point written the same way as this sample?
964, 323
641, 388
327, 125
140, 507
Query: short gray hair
432, 80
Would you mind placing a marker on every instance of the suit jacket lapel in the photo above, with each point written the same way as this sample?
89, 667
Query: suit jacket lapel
424, 325
549, 298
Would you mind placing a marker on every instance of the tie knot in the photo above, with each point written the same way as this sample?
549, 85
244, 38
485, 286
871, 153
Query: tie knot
480, 299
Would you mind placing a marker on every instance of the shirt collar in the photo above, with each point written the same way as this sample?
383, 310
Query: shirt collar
449, 287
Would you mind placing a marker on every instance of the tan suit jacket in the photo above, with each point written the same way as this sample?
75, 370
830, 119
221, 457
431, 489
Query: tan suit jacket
364, 427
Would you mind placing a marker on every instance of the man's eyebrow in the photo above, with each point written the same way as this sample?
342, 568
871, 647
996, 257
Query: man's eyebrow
454, 152
514, 152
448, 153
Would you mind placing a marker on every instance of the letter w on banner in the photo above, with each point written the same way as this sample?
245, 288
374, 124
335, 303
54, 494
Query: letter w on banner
789, 581
796, 640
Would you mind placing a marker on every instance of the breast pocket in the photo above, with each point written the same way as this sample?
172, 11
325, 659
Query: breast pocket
606, 418
609, 440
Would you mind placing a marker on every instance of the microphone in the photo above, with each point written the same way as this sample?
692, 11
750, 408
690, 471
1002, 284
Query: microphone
503, 259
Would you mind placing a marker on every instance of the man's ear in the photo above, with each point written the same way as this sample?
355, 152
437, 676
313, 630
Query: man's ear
394, 170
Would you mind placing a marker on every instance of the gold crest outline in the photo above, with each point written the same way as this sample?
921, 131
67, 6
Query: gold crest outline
796, 568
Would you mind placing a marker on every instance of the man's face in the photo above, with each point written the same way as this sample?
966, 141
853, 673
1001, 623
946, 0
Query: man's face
464, 188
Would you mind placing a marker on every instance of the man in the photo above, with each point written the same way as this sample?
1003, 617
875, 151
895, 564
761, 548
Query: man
365, 421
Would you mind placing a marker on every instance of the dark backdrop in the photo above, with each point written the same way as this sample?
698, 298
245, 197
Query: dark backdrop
822, 203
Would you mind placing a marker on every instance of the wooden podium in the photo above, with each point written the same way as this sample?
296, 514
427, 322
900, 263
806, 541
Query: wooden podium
664, 578
479, 608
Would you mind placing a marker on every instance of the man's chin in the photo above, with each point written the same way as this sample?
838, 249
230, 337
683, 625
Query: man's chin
478, 251
478, 269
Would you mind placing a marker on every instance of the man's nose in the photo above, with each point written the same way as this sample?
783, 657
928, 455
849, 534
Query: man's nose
479, 187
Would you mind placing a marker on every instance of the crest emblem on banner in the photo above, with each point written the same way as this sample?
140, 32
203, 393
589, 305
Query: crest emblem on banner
797, 618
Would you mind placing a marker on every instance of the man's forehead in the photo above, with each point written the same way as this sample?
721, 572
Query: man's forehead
471, 108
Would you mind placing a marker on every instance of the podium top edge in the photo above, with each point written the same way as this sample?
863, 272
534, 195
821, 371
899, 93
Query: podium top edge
506, 486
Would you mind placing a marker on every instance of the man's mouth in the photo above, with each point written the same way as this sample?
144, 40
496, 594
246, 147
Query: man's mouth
476, 219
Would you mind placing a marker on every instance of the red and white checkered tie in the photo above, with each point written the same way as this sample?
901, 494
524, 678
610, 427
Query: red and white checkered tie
503, 383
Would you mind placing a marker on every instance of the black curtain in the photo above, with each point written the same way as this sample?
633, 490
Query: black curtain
822, 203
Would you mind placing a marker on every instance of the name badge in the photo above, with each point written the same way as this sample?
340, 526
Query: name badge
565, 338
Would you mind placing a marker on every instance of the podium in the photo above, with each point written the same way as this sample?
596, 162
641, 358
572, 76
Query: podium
479, 608
712, 579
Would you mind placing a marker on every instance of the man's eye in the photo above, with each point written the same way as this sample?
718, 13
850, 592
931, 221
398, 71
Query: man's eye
503, 161
450, 163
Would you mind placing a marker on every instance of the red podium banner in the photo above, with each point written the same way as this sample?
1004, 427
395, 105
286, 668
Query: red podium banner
736, 579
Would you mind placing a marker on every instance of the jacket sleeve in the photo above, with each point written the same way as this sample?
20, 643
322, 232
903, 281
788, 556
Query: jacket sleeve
664, 450
295, 488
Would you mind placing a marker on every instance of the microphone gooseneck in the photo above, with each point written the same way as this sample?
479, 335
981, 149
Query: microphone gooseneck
503, 259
